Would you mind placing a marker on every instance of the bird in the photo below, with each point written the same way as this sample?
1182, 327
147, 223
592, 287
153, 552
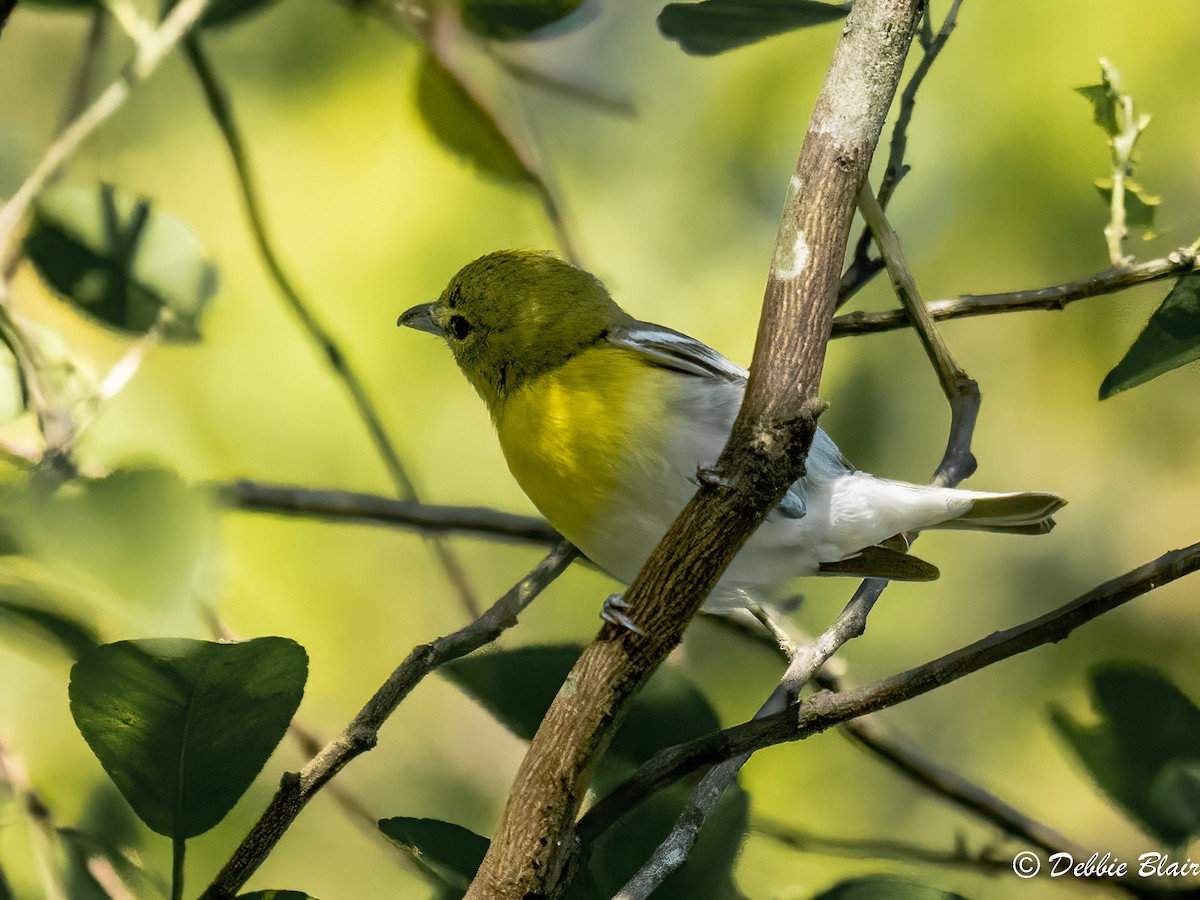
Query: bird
605, 421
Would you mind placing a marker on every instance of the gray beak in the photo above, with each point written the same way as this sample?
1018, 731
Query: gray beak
421, 318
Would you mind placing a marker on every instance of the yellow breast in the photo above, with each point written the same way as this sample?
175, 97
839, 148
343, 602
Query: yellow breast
573, 435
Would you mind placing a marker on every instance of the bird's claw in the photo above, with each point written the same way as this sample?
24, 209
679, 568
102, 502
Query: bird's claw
611, 612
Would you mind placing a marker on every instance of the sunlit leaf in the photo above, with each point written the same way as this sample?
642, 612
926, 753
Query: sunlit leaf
1105, 104
1140, 207
514, 19
1148, 730
885, 887
714, 26
12, 403
449, 852
463, 126
115, 258
140, 532
1170, 339
182, 726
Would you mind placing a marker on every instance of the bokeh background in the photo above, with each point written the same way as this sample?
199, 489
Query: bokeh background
676, 208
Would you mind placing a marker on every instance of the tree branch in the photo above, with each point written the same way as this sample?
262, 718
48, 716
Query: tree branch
348, 506
826, 709
296, 789
222, 112
765, 454
1181, 262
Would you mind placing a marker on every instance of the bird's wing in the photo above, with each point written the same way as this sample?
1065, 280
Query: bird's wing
669, 348
674, 350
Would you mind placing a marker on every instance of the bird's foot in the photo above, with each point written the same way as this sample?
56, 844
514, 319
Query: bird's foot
613, 612
710, 475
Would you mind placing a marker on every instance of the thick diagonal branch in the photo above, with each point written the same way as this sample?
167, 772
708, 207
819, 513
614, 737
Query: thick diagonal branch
765, 454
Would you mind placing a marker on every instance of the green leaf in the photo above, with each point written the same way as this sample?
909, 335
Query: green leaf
507, 20
1175, 792
64, 5
1105, 105
117, 260
1170, 339
461, 125
516, 686
447, 851
182, 726
1140, 207
714, 26
29, 609
12, 399
83, 847
1148, 731
140, 532
885, 887
275, 895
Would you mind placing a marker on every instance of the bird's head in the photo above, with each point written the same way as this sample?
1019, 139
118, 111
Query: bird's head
515, 314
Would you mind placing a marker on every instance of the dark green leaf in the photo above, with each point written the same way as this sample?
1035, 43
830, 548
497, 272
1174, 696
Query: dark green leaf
714, 26
449, 852
64, 5
1140, 207
1170, 339
275, 895
885, 887
463, 126
1105, 103
181, 726
1175, 792
116, 259
140, 532
507, 20
516, 686
1146, 725
30, 609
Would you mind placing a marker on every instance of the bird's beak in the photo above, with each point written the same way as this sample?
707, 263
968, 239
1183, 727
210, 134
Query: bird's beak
421, 318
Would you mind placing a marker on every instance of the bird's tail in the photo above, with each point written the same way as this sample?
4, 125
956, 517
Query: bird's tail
1028, 512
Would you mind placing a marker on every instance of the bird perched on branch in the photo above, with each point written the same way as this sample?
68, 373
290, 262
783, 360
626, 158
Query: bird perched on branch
605, 422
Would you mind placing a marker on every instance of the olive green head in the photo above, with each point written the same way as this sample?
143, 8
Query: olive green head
513, 315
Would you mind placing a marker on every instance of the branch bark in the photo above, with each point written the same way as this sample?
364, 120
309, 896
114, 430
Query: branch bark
765, 453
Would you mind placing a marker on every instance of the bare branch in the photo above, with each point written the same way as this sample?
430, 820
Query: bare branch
347, 506
985, 859
296, 789
222, 112
826, 709
1181, 262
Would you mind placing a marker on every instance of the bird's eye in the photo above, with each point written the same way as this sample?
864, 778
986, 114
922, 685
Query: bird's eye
460, 327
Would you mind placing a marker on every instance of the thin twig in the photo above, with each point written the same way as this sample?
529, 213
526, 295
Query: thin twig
221, 109
348, 506
864, 268
296, 789
985, 860
827, 708
1181, 262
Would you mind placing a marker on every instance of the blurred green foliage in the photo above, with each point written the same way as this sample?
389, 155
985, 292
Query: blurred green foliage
676, 209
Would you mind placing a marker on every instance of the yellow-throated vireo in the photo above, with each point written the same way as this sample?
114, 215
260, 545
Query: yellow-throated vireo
605, 420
